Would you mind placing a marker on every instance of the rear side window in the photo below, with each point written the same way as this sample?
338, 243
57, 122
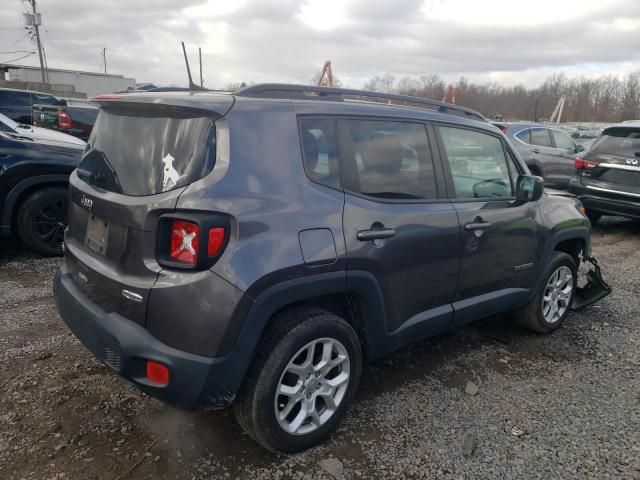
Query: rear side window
619, 141
478, 164
540, 137
391, 160
562, 141
39, 98
524, 135
320, 150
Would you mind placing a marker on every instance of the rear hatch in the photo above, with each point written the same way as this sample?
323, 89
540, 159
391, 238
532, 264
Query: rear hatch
142, 153
611, 167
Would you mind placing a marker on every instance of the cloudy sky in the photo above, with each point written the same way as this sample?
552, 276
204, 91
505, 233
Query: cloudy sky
509, 41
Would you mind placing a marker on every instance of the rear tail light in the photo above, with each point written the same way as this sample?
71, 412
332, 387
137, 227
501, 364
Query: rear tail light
185, 240
193, 242
582, 164
64, 120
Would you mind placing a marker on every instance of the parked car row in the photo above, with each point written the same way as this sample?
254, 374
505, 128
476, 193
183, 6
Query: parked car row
71, 116
547, 151
41, 142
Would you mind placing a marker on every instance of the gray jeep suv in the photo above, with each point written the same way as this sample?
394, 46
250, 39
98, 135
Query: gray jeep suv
254, 249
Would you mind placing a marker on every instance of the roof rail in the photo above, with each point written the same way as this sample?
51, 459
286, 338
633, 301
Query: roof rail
311, 92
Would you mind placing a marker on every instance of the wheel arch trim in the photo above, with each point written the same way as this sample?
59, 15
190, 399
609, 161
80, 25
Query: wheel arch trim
289, 292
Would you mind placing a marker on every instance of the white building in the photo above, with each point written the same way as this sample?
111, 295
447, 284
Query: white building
90, 83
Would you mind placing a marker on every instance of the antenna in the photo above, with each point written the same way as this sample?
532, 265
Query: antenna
186, 61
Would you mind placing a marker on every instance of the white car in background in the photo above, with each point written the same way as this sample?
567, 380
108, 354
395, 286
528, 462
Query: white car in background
37, 133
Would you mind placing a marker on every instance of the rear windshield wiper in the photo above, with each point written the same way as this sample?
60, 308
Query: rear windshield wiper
89, 176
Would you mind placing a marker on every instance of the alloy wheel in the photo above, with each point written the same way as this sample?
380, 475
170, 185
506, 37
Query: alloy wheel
557, 294
312, 386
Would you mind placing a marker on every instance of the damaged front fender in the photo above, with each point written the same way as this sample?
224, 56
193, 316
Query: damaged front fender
595, 289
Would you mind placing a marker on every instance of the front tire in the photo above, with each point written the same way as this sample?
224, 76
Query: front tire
42, 219
305, 374
548, 309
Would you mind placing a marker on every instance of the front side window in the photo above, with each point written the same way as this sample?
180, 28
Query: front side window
320, 150
562, 141
540, 137
391, 160
478, 164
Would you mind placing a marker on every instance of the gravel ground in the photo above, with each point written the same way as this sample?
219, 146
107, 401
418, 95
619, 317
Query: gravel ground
484, 401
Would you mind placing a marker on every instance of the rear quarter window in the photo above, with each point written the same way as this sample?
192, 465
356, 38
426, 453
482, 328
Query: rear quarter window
320, 150
524, 135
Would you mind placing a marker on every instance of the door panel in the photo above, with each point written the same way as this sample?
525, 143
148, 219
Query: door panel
416, 266
565, 151
542, 150
397, 224
500, 237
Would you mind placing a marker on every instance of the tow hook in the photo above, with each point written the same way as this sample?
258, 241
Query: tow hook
595, 289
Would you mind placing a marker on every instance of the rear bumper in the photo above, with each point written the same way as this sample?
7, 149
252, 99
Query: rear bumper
195, 381
600, 202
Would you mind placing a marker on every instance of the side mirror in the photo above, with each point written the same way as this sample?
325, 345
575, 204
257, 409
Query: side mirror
579, 148
529, 188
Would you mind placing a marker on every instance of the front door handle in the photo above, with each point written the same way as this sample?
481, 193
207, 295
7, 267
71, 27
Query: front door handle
535, 150
472, 227
375, 234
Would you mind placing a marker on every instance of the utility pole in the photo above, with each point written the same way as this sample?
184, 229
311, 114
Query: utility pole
104, 56
36, 22
200, 55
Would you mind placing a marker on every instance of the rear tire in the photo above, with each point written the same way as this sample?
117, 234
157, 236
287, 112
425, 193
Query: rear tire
290, 359
41, 220
555, 294
593, 216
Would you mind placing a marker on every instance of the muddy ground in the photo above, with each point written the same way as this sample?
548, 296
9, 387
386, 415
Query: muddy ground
565, 405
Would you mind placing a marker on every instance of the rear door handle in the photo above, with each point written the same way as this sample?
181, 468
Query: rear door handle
535, 150
472, 227
377, 234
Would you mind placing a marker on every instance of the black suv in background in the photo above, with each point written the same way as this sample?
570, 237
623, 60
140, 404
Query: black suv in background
33, 189
17, 104
256, 248
71, 116
548, 152
607, 178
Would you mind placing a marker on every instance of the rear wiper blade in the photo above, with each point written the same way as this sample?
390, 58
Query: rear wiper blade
89, 176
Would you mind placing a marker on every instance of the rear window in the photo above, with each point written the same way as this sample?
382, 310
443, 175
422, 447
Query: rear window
618, 141
142, 152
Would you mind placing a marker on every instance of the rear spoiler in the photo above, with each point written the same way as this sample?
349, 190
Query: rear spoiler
211, 103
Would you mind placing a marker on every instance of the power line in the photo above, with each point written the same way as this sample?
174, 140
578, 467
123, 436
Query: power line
20, 58
18, 41
16, 51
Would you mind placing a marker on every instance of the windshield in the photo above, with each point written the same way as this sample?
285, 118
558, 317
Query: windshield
142, 152
619, 141
7, 125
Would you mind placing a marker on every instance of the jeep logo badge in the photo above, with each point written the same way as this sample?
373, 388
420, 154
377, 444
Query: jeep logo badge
86, 202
